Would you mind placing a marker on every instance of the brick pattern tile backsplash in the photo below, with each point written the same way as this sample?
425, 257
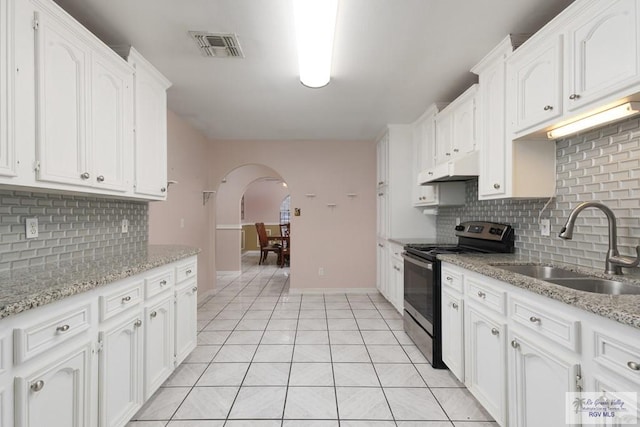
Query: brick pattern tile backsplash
601, 165
68, 227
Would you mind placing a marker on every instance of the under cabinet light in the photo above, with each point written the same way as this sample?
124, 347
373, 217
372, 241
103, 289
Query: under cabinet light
315, 22
610, 115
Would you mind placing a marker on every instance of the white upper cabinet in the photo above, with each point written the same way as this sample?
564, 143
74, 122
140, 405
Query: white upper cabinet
463, 139
7, 125
535, 84
150, 128
603, 52
444, 136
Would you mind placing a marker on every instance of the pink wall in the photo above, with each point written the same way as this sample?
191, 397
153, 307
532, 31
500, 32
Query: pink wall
187, 164
341, 240
262, 201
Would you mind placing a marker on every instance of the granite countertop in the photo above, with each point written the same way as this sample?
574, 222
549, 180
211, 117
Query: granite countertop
416, 240
27, 288
621, 308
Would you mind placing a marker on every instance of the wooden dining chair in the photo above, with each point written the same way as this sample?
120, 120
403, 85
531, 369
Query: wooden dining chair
285, 233
265, 245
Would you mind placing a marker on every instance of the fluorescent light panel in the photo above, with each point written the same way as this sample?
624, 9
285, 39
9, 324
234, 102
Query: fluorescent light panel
315, 22
610, 115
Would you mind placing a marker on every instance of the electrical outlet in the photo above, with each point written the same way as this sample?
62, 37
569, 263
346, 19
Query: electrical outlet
125, 225
321, 271
545, 227
31, 228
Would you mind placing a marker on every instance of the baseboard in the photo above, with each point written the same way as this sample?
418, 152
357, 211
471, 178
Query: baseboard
256, 252
298, 291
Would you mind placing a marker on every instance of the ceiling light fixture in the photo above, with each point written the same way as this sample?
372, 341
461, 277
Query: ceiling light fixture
315, 22
607, 116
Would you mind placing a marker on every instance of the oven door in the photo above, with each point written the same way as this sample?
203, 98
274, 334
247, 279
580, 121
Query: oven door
419, 285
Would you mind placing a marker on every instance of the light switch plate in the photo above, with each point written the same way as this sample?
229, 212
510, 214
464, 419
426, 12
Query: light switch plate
31, 228
545, 227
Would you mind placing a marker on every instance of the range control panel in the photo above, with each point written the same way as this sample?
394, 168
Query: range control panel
483, 230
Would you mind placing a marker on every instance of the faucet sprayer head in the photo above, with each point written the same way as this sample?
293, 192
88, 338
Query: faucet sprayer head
566, 233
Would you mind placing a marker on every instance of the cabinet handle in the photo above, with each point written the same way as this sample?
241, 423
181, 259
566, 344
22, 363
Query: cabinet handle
380, 182
380, 194
634, 366
380, 245
482, 294
548, 108
455, 150
188, 271
163, 190
163, 282
195, 288
126, 299
37, 386
496, 186
449, 278
447, 154
85, 175
100, 178
138, 323
494, 331
429, 173
153, 314
454, 305
534, 319
515, 344
574, 96
63, 328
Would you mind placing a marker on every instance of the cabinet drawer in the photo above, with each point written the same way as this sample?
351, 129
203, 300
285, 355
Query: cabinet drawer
121, 300
452, 279
555, 327
31, 341
622, 358
186, 271
158, 283
486, 295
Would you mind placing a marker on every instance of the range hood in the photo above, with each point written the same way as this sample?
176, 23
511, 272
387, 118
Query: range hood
462, 168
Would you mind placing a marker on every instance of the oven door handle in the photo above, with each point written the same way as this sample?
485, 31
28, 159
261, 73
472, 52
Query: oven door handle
428, 266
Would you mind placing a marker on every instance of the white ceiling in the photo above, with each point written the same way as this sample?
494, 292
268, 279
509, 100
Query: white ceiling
392, 58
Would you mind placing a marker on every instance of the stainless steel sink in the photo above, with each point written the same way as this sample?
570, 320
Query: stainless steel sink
542, 272
598, 286
573, 280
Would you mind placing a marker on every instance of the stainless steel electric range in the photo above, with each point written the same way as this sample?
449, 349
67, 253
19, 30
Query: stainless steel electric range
422, 287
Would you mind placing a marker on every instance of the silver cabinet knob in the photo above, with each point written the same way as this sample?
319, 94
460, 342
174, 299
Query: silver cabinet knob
380, 245
447, 154
496, 186
163, 282
163, 190
63, 328
85, 175
534, 319
449, 279
515, 344
138, 323
153, 314
195, 288
100, 178
380, 182
37, 386
429, 173
548, 107
482, 294
380, 194
455, 150
494, 331
634, 366
126, 299
454, 305
188, 271
574, 96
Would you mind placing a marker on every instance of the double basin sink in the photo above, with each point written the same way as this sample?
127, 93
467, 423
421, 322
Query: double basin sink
573, 280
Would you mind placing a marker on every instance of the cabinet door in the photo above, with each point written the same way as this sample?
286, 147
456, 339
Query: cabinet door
603, 52
382, 158
485, 371
112, 133
7, 142
150, 135
120, 371
61, 103
463, 140
396, 291
382, 263
444, 134
535, 79
453, 333
58, 395
538, 383
382, 208
492, 138
158, 345
185, 325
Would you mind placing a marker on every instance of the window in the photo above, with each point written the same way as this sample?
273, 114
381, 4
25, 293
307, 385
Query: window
285, 210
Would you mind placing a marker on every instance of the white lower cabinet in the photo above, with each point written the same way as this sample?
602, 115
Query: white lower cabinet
58, 394
120, 372
539, 378
186, 320
485, 360
452, 333
158, 344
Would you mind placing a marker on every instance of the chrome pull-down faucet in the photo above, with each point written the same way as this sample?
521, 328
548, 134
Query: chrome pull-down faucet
614, 261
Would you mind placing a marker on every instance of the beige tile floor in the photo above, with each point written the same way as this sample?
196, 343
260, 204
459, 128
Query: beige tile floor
269, 358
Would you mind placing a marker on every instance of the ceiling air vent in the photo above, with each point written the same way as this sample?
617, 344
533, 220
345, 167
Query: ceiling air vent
217, 45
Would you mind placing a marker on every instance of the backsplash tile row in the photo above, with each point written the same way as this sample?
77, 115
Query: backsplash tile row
68, 227
601, 165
